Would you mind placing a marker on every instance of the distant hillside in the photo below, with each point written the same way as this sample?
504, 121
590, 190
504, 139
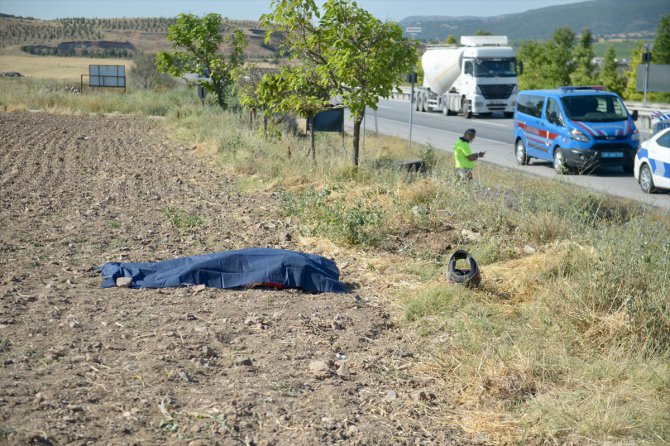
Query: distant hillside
604, 18
111, 37
611, 19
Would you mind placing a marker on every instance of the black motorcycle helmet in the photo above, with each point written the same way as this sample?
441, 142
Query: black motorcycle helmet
470, 276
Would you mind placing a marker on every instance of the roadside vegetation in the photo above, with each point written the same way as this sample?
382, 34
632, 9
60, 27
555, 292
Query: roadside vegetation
567, 339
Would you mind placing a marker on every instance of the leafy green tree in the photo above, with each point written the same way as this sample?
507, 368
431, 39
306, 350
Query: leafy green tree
298, 88
536, 64
661, 53
450, 40
143, 74
609, 77
559, 52
247, 90
631, 75
353, 54
196, 44
584, 73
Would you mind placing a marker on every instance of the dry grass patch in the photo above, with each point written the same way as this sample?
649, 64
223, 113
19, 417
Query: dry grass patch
57, 68
521, 279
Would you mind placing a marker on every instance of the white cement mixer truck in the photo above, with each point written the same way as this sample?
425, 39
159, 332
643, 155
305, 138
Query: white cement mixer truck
477, 78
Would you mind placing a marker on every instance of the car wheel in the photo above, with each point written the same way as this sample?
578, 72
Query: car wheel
560, 165
646, 180
509, 114
628, 168
520, 152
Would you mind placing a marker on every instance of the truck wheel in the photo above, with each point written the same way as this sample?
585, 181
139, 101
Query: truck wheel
521, 154
646, 180
467, 113
560, 166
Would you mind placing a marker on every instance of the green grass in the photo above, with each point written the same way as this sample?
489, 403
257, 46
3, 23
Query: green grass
183, 220
567, 339
622, 49
21, 94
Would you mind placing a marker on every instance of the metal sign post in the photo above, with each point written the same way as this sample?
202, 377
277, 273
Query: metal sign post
646, 58
412, 79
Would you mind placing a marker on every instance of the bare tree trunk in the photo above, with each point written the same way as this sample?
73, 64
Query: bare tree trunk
357, 138
312, 137
220, 95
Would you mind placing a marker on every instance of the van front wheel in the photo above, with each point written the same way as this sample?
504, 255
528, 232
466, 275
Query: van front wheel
521, 154
560, 166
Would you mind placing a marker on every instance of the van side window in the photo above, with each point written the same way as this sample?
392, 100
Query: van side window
554, 112
530, 105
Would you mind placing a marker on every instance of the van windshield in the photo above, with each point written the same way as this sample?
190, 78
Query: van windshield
495, 67
595, 108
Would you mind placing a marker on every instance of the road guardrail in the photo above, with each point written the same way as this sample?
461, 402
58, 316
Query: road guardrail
644, 112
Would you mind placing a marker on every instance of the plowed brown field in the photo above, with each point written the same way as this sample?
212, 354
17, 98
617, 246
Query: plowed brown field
84, 365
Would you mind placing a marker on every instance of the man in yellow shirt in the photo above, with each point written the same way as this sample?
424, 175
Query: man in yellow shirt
463, 156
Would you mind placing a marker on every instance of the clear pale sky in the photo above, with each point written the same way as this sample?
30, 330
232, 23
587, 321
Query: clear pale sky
252, 9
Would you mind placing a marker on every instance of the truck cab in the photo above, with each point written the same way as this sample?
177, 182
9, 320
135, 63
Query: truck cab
489, 79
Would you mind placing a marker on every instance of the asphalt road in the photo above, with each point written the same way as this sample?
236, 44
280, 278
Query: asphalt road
495, 136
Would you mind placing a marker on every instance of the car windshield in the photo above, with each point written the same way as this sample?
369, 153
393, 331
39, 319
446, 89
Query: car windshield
495, 67
595, 108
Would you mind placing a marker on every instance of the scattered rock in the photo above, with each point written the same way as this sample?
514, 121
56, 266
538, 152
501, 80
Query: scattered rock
186, 377
243, 361
124, 282
319, 369
391, 395
208, 352
422, 396
402, 353
471, 235
199, 288
342, 370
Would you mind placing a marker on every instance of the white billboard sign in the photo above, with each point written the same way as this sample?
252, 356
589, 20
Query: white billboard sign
658, 78
107, 76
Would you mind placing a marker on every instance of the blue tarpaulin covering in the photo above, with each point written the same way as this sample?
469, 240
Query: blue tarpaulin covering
233, 269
